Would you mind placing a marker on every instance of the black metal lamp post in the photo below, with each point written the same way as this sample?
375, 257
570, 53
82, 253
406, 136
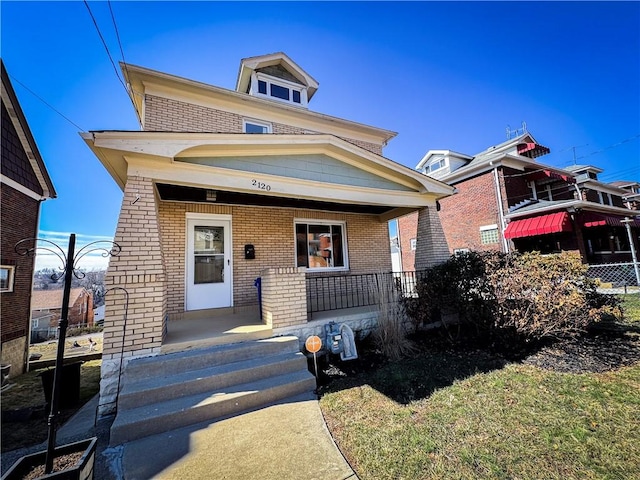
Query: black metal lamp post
69, 262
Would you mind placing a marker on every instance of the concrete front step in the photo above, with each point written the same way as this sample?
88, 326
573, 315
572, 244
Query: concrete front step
174, 390
157, 389
174, 363
168, 415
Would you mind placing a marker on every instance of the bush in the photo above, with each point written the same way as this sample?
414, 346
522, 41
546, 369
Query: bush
527, 296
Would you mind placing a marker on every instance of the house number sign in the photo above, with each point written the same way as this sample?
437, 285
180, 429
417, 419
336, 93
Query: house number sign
260, 185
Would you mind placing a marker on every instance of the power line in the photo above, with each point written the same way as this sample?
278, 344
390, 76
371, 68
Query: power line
609, 147
47, 103
95, 23
124, 62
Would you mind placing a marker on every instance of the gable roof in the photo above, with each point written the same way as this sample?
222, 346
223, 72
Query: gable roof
19, 121
251, 64
50, 299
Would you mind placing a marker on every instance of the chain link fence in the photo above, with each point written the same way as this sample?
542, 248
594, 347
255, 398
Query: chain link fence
622, 279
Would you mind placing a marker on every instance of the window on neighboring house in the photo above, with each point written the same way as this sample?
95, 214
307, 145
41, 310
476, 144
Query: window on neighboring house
281, 90
255, 126
6, 278
34, 323
321, 245
412, 243
489, 234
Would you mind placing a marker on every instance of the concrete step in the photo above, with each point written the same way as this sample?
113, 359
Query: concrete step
134, 423
152, 390
175, 363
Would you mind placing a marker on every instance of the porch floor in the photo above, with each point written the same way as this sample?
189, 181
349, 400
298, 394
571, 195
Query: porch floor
205, 329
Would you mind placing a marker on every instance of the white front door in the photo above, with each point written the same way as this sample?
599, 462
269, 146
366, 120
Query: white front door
208, 263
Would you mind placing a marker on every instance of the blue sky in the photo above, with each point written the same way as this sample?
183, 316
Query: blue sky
447, 75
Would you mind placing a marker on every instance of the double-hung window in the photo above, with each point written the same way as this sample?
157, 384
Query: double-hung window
321, 245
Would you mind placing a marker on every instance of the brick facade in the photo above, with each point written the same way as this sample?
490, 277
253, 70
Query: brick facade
408, 230
19, 220
271, 231
140, 270
169, 115
284, 297
463, 214
431, 245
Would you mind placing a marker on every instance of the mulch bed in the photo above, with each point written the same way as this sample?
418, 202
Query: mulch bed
609, 347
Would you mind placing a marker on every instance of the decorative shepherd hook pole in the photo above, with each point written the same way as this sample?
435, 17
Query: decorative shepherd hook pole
69, 261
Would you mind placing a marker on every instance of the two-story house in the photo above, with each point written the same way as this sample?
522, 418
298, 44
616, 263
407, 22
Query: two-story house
222, 187
508, 200
25, 185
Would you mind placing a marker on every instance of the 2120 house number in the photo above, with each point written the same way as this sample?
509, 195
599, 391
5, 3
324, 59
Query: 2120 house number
260, 185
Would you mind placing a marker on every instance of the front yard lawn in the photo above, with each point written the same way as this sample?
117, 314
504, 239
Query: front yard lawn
517, 421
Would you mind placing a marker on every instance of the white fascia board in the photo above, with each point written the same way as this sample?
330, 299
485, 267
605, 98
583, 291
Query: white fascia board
240, 181
603, 187
269, 110
21, 188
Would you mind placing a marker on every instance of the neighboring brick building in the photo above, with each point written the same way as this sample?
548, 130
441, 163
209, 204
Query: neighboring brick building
25, 184
222, 186
46, 309
506, 200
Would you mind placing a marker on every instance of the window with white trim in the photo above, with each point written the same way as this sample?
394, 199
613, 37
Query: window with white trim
412, 243
7, 274
489, 234
281, 90
255, 126
437, 165
321, 245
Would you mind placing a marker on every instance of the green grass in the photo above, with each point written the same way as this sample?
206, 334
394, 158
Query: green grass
516, 422
631, 307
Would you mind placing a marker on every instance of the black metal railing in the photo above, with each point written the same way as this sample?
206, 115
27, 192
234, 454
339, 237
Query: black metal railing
337, 292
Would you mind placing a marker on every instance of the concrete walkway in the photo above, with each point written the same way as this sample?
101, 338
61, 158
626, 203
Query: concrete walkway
288, 440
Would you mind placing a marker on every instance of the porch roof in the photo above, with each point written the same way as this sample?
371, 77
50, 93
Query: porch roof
155, 155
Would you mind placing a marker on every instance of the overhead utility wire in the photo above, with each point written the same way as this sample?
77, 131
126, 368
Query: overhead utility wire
626, 140
124, 62
46, 103
104, 43
95, 23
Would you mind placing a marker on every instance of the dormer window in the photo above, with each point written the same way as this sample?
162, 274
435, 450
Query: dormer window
280, 90
437, 165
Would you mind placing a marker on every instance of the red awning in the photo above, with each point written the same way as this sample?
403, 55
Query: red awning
591, 219
542, 225
532, 150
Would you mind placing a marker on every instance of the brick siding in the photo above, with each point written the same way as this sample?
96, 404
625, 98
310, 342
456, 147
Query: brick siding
464, 213
168, 115
284, 299
271, 232
139, 268
407, 229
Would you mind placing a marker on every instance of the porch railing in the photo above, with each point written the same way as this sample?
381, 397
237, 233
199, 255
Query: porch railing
337, 292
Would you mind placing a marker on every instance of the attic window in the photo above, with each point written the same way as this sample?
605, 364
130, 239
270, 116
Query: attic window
279, 89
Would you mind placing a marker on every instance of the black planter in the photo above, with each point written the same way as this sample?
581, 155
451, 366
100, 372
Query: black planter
83, 470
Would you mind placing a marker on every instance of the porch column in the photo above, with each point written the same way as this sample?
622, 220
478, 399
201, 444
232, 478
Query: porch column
140, 270
284, 297
431, 244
